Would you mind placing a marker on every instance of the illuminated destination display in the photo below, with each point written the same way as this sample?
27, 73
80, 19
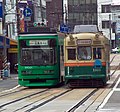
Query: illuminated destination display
38, 42
84, 41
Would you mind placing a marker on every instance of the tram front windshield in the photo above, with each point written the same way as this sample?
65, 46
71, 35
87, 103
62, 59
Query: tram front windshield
38, 56
84, 53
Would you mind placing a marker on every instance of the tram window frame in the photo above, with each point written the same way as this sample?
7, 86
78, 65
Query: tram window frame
97, 53
71, 56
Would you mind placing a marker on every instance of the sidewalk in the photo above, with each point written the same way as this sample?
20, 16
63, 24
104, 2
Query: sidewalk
9, 82
12, 76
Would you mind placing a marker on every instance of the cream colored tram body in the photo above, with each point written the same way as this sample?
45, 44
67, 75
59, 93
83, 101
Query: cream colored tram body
86, 59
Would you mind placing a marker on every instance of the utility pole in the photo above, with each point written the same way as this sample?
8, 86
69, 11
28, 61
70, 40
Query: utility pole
41, 10
17, 18
4, 15
66, 22
110, 31
4, 33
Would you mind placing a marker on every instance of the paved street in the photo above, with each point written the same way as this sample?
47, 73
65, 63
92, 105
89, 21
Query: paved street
8, 83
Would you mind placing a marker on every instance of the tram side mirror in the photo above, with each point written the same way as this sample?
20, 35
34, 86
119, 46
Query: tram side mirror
52, 42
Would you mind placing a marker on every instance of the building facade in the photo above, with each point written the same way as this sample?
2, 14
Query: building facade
54, 12
82, 12
108, 16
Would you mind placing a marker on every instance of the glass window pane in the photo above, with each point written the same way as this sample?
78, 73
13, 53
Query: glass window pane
82, 1
88, 1
93, 1
97, 53
76, 2
76, 16
70, 15
84, 53
70, 2
71, 54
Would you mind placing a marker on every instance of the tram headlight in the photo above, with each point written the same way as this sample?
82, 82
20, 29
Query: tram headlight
96, 36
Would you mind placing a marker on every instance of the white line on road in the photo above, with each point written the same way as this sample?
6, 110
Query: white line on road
109, 95
11, 89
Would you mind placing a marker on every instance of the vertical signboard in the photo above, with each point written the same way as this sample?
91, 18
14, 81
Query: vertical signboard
1, 16
1, 10
21, 7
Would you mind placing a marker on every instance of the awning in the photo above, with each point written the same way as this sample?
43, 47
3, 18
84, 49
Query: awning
12, 50
13, 42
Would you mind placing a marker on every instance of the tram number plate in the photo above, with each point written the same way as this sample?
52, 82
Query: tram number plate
96, 69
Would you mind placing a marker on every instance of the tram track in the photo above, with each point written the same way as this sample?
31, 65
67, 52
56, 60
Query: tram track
19, 99
47, 101
33, 99
113, 58
6, 93
83, 100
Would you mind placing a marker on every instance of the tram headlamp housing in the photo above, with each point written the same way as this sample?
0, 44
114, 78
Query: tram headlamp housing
71, 37
96, 36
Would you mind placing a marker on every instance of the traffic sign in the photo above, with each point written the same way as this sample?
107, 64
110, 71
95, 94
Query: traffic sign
27, 19
27, 12
64, 28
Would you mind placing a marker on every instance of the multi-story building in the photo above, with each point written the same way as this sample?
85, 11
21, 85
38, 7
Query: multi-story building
108, 15
54, 13
82, 12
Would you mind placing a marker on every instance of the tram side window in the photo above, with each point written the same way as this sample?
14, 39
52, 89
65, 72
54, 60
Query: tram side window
71, 54
97, 54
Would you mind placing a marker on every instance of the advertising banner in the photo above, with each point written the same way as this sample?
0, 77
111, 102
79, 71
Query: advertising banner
1, 10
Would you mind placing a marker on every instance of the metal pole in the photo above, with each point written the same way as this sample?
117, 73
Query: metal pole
17, 18
110, 30
66, 14
41, 9
4, 27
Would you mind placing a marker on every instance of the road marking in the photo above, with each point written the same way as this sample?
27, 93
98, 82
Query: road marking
109, 95
11, 89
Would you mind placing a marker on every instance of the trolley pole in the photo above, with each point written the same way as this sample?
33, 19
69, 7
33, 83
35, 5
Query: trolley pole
110, 31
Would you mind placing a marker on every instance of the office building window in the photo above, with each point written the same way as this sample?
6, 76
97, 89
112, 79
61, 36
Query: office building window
106, 8
113, 27
94, 1
105, 24
88, 1
70, 2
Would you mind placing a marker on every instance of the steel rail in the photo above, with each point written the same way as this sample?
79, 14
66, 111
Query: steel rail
47, 101
83, 100
19, 99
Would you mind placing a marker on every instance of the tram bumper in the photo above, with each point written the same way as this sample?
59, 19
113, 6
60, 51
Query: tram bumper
85, 76
85, 80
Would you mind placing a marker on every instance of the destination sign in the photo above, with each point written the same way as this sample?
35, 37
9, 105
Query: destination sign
38, 42
84, 41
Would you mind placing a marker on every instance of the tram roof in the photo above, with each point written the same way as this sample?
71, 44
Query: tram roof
38, 34
85, 28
